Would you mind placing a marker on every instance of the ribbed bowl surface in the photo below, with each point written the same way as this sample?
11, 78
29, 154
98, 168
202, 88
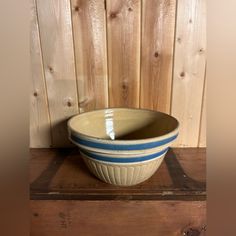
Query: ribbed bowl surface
123, 174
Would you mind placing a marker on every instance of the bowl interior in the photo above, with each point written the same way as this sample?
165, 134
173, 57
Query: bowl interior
123, 124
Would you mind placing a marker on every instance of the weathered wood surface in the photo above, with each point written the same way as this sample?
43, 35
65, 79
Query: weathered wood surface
40, 129
118, 218
111, 53
123, 30
189, 69
202, 136
61, 174
158, 25
89, 30
55, 30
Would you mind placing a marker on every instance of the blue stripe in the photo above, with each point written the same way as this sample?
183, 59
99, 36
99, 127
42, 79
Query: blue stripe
124, 160
122, 147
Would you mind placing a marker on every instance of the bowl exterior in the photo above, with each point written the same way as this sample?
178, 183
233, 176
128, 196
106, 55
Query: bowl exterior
123, 162
123, 174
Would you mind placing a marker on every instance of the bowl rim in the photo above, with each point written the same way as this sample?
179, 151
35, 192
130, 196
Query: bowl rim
121, 141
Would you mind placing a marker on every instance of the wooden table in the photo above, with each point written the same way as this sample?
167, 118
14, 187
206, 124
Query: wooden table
67, 200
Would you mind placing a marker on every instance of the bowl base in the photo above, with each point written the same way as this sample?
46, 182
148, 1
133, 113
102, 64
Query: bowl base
123, 175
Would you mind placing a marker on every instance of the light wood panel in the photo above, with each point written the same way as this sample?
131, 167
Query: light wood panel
123, 28
202, 135
189, 69
59, 67
158, 24
40, 132
89, 27
90, 54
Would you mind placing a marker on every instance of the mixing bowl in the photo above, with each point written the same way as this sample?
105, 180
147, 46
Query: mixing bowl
123, 146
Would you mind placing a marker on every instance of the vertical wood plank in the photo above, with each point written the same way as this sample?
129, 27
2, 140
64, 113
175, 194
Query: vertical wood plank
202, 135
124, 26
58, 59
158, 24
189, 69
89, 27
40, 133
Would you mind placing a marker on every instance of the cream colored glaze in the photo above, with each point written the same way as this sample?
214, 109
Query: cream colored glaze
124, 153
123, 124
123, 174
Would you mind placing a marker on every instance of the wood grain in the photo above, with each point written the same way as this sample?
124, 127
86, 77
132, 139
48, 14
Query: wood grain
89, 29
202, 135
59, 67
189, 69
61, 174
193, 162
118, 53
117, 218
123, 28
158, 24
40, 130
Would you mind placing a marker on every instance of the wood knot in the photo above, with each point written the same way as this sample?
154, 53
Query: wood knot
36, 214
191, 232
50, 69
182, 74
35, 94
69, 104
130, 9
201, 50
124, 86
125, 90
113, 15
156, 54
77, 8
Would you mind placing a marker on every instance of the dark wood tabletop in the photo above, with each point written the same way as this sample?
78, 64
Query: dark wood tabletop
60, 174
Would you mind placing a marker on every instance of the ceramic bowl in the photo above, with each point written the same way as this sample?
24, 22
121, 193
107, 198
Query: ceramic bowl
123, 146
